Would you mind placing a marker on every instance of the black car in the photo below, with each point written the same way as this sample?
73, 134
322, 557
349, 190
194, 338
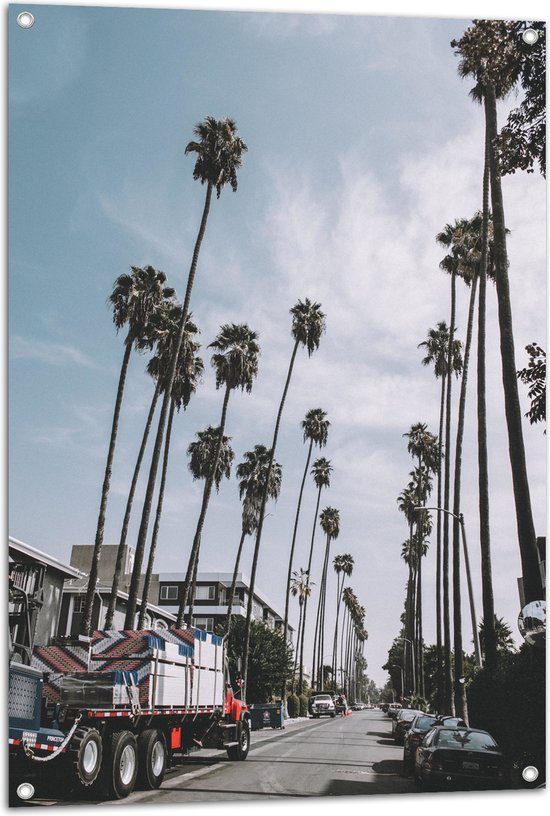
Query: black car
460, 759
418, 730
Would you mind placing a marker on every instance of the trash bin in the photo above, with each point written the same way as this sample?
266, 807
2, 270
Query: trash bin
267, 715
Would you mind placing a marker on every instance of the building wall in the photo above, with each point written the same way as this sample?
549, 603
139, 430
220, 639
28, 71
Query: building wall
48, 617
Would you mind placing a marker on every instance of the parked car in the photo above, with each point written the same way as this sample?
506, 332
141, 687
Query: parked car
460, 758
323, 704
393, 708
384, 707
402, 723
414, 735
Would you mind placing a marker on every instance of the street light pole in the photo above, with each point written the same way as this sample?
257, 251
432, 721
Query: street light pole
397, 666
477, 650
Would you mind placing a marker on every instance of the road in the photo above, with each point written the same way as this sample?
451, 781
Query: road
337, 757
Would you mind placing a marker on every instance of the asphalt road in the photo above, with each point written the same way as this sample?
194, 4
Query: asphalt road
327, 757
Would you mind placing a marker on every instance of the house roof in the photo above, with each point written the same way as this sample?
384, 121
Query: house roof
20, 551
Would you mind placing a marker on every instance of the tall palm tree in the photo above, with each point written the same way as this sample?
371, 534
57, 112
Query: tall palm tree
203, 452
236, 364
162, 329
436, 347
219, 155
308, 325
350, 603
343, 566
320, 471
315, 428
425, 446
188, 373
407, 501
301, 587
330, 524
251, 473
134, 299
491, 55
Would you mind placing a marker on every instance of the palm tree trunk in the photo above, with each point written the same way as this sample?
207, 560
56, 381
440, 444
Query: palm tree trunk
420, 533
306, 599
86, 621
448, 685
339, 589
291, 557
248, 621
234, 583
153, 469
459, 688
439, 647
323, 603
125, 524
532, 582
483, 468
154, 539
317, 647
194, 556
192, 592
298, 633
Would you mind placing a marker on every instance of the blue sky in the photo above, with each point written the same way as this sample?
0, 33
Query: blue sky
363, 143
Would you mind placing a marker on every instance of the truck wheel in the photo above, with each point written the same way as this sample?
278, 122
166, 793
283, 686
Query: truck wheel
240, 751
122, 765
151, 759
86, 751
333, 714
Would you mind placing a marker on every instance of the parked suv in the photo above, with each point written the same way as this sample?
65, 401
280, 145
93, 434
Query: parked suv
323, 704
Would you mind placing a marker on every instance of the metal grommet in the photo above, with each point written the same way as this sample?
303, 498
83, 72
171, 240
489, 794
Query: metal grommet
25, 790
530, 36
530, 773
25, 19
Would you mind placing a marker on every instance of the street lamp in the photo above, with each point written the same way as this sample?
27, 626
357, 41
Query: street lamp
460, 517
412, 661
397, 666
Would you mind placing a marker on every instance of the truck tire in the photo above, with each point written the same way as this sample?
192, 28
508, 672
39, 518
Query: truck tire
121, 765
151, 759
85, 752
240, 751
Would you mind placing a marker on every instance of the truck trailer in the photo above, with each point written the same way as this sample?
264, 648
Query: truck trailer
114, 712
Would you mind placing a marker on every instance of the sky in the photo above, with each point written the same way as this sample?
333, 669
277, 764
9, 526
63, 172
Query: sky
362, 144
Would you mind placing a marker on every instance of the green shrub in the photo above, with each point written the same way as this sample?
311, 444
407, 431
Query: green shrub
293, 706
304, 701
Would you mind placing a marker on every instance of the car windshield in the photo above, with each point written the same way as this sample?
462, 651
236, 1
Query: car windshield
469, 740
424, 723
322, 698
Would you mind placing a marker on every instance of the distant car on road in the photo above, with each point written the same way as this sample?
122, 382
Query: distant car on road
323, 704
393, 708
460, 759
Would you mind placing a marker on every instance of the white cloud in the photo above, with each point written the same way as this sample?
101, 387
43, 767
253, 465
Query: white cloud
54, 354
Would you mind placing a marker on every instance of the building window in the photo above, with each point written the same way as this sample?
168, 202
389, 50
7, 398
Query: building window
205, 593
79, 603
169, 593
204, 623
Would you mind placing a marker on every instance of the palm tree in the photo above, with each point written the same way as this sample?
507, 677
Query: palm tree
436, 346
350, 604
203, 452
219, 155
320, 471
315, 427
330, 524
491, 55
407, 501
425, 446
134, 299
301, 587
504, 638
308, 324
251, 473
189, 372
343, 565
162, 329
236, 366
